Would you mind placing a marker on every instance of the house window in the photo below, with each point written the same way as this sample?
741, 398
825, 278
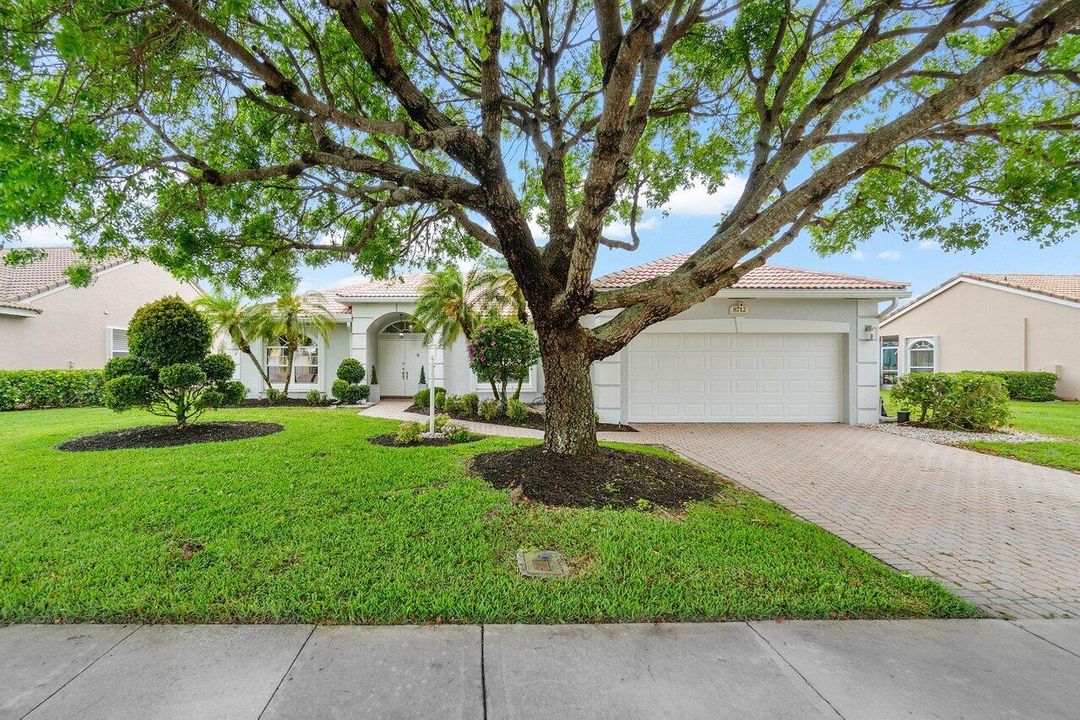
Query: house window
890, 356
528, 386
401, 327
922, 356
305, 363
117, 342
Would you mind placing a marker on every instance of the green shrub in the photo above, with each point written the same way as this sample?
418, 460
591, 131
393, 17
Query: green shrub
1027, 384
456, 433
169, 331
955, 401
440, 399
351, 371
317, 398
50, 388
488, 410
501, 352
516, 410
275, 396
470, 402
409, 433
421, 398
350, 393
441, 422
451, 404
233, 392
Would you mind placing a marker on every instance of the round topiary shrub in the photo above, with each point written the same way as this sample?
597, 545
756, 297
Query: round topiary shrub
347, 388
169, 331
351, 370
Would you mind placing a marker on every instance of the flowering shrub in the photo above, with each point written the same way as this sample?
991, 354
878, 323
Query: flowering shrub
501, 352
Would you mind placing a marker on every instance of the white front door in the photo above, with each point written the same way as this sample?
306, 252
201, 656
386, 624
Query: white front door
736, 377
399, 365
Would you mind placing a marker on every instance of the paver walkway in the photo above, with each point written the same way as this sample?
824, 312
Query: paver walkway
857, 669
1002, 533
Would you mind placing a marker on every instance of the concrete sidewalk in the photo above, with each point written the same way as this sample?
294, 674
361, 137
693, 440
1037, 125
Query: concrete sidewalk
854, 669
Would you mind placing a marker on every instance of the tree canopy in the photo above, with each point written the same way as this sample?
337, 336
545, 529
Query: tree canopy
219, 137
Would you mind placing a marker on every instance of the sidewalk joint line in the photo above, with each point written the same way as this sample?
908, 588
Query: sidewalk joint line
1045, 640
795, 670
287, 670
483, 675
72, 678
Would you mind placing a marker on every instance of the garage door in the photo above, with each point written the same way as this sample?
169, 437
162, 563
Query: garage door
736, 377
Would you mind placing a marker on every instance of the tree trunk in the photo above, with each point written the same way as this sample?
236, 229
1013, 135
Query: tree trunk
288, 370
570, 425
246, 349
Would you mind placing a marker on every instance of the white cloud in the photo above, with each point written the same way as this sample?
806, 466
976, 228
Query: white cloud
621, 231
927, 245
44, 236
858, 255
889, 255
697, 200
539, 232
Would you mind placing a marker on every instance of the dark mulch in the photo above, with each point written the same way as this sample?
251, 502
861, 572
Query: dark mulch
391, 441
535, 420
151, 436
285, 402
609, 478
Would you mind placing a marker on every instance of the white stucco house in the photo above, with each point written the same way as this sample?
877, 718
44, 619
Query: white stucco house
46, 323
782, 345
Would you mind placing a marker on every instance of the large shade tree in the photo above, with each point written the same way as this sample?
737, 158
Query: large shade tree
218, 137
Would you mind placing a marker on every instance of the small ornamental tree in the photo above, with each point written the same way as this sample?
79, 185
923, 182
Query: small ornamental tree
501, 352
348, 388
169, 371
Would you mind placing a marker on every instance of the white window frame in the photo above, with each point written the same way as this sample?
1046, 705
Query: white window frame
909, 346
528, 386
882, 347
320, 353
110, 351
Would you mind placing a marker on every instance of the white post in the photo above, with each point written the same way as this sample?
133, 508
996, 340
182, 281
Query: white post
431, 387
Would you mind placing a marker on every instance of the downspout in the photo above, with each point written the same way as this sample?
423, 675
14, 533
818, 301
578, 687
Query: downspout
891, 306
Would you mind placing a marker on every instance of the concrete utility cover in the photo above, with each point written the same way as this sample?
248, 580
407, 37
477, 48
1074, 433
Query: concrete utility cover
542, 564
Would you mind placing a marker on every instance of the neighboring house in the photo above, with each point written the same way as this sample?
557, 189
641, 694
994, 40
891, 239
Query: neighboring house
782, 345
46, 323
980, 321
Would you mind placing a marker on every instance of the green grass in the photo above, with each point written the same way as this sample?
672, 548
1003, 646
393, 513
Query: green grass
1058, 419
316, 525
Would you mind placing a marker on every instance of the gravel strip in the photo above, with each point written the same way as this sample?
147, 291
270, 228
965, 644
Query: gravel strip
951, 437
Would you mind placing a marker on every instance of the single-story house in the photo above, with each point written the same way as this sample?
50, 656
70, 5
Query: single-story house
46, 323
980, 321
782, 345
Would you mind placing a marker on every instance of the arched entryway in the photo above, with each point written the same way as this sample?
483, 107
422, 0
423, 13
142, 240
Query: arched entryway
399, 354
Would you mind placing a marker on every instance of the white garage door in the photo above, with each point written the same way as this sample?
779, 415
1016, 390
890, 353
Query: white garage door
736, 377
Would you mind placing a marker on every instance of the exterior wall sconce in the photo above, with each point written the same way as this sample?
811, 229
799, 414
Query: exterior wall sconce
869, 332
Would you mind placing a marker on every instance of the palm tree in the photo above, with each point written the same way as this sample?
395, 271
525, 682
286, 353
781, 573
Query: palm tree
498, 288
444, 309
228, 314
293, 319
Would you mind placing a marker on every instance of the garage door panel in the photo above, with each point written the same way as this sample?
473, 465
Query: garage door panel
736, 377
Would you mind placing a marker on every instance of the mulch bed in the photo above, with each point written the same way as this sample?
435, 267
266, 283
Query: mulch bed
391, 441
285, 402
535, 420
154, 436
608, 478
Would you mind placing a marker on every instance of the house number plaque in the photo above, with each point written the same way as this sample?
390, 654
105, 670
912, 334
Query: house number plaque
739, 308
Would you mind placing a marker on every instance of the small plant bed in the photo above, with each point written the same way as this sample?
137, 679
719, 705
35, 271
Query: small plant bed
157, 436
283, 402
610, 478
441, 441
534, 419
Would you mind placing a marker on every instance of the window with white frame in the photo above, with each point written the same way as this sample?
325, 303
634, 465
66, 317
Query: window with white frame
922, 356
890, 350
528, 386
116, 344
305, 362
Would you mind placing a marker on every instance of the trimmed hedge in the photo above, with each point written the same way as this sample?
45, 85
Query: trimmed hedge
25, 389
1027, 384
954, 401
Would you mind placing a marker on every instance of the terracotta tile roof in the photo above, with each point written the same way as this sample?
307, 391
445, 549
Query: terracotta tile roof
326, 300
1062, 287
766, 277
405, 286
19, 306
22, 281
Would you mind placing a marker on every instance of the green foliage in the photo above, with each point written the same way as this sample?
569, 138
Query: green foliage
456, 433
451, 404
421, 398
422, 380
317, 398
350, 393
516, 410
955, 401
275, 396
503, 351
409, 433
1027, 384
470, 401
167, 373
488, 410
440, 399
50, 388
351, 370
167, 332
440, 422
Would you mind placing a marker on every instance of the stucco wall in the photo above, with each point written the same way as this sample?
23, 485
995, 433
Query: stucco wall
983, 328
71, 330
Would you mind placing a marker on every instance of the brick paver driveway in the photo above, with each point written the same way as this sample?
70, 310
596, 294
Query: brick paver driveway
1002, 533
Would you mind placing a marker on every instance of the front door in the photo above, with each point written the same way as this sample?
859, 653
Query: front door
400, 359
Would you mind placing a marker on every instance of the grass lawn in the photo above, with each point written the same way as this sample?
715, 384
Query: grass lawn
1059, 419
314, 524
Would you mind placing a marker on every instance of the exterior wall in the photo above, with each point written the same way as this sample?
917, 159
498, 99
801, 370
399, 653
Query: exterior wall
845, 316
71, 331
983, 328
